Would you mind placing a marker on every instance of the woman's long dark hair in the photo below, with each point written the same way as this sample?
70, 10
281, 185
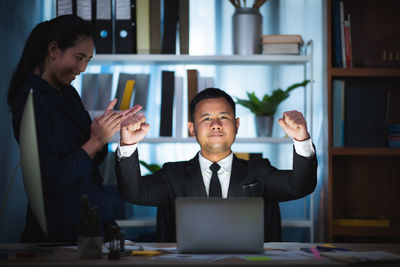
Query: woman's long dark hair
65, 30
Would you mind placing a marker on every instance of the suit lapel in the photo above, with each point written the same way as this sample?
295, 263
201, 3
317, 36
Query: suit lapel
238, 174
194, 175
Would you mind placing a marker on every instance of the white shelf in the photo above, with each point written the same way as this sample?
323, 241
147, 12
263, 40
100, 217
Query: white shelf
296, 223
163, 59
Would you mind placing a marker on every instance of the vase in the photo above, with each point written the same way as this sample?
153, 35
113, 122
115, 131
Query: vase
264, 125
90, 247
246, 31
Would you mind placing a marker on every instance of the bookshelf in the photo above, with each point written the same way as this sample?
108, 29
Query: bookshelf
305, 60
364, 180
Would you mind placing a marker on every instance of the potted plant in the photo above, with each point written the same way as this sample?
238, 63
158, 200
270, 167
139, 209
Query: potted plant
264, 109
90, 241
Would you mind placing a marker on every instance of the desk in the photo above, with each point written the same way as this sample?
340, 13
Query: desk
67, 257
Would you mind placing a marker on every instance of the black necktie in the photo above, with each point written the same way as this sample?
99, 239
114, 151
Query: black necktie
215, 186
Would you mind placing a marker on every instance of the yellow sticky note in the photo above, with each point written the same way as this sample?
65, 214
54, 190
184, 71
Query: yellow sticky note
258, 258
145, 253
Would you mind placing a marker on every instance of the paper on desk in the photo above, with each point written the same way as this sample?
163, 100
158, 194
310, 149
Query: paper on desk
278, 255
364, 256
192, 257
286, 245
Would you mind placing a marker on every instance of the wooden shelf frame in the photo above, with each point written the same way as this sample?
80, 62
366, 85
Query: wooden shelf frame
353, 154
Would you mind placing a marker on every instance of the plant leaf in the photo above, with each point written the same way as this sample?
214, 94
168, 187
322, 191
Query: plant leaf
269, 103
150, 167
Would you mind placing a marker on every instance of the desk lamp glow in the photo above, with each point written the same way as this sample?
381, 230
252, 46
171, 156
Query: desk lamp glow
30, 162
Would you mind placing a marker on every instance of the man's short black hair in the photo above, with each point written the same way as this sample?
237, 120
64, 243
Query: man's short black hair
210, 93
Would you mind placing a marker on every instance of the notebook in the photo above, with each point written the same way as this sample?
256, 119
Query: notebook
220, 225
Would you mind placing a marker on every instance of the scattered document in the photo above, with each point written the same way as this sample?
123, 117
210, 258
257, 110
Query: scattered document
192, 257
360, 257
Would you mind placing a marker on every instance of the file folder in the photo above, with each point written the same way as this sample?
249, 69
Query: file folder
103, 22
103, 95
65, 7
125, 26
143, 26
84, 10
122, 80
127, 97
89, 90
167, 102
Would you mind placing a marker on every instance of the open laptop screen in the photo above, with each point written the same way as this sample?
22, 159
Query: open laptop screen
217, 225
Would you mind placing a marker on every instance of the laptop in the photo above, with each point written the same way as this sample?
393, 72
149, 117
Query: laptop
220, 225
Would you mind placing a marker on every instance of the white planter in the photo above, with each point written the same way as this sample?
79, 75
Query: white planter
264, 125
90, 247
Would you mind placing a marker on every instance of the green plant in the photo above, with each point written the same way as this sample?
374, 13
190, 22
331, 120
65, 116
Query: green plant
150, 167
268, 105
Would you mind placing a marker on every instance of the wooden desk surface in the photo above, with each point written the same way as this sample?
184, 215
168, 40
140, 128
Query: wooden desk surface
68, 257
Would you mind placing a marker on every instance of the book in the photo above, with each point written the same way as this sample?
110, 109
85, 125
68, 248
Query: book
142, 82
338, 87
342, 35
362, 222
285, 48
169, 27
336, 40
348, 42
143, 26
282, 39
155, 27
178, 107
127, 96
192, 87
184, 26
167, 102
365, 106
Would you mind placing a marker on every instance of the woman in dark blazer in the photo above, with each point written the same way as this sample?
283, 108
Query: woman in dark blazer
71, 146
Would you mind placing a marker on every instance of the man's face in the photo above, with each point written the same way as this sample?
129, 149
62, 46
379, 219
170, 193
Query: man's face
214, 126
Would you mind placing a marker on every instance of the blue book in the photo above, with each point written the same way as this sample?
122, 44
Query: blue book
338, 87
337, 39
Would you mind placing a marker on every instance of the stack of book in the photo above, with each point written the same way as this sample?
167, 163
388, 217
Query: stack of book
394, 135
282, 44
341, 36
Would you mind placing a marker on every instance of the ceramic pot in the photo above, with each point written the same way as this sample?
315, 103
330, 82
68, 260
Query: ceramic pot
264, 125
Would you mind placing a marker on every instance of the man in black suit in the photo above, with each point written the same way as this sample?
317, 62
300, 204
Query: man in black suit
214, 124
